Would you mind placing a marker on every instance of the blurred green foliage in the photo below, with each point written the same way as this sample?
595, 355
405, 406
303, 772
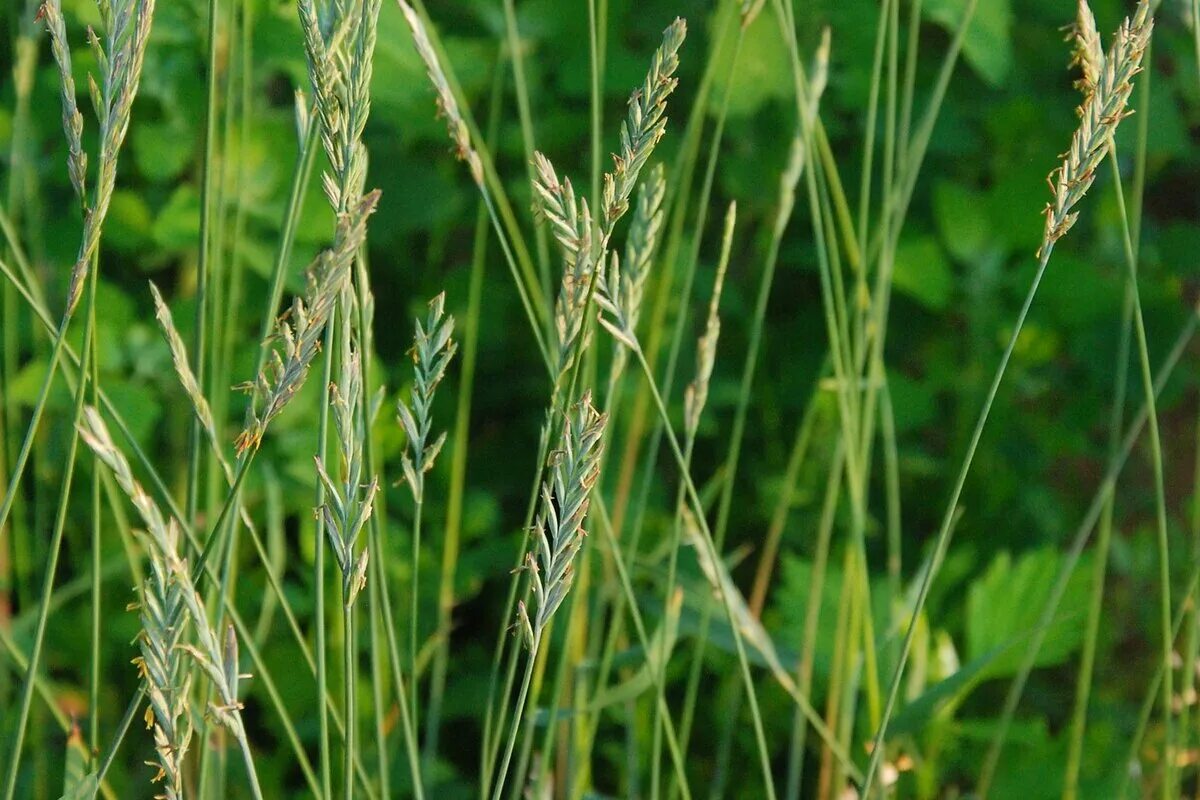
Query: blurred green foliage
964, 261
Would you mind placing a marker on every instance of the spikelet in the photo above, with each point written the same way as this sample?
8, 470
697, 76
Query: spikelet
1104, 106
558, 532
121, 64
51, 12
217, 657
348, 503
431, 353
164, 620
644, 124
571, 222
620, 291
695, 397
585, 245
460, 134
1087, 53
162, 611
170, 599
183, 370
300, 339
340, 69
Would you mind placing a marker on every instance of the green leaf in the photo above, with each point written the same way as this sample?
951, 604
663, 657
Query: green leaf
763, 68
129, 220
917, 713
163, 150
962, 221
922, 273
987, 45
1007, 602
77, 783
177, 226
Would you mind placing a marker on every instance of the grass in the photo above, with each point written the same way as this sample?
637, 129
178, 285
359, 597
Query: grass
770, 611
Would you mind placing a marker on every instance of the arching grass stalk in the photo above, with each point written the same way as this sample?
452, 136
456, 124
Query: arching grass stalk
695, 399
1099, 71
208, 169
461, 134
460, 438
473, 150
558, 537
431, 353
55, 548
125, 43
516, 55
1090, 56
788, 182
1101, 114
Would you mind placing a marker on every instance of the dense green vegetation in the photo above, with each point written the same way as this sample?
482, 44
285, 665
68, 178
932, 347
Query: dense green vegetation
856, 553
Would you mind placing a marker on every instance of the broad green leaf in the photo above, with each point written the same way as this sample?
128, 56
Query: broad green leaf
962, 220
1007, 602
163, 150
177, 226
662, 641
763, 69
922, 273
987, 46
78, 784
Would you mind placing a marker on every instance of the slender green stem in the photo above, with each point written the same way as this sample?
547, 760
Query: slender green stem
319, 544
698, 508
517, 57
415, 603
518, 713
348, 691
301, 177
1089, 522
812, 617
97, 553
204, 265
460, 444
56, 539
942, 540
17, 471
1087, 660
248, 759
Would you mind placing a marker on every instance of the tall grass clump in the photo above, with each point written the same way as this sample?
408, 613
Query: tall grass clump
1103, 109
705, 578
558, 536
431, 353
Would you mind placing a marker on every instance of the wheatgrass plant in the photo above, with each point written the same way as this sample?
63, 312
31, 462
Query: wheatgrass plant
346, 511
127, 31
169, 601
1131, 40
120, 57
585, 675
299, 334
558, 533
584, 246
431, 353
1100, 114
